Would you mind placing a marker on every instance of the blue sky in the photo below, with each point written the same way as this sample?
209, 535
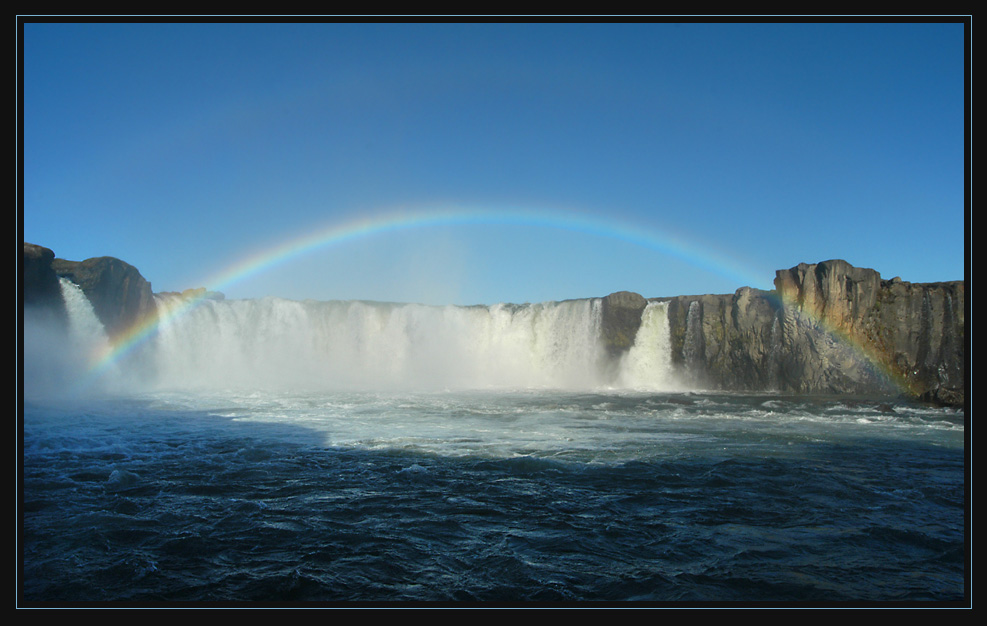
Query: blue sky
184, 148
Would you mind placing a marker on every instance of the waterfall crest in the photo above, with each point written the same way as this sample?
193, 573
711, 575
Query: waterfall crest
58, 350
354, 344
274, 344
648, 364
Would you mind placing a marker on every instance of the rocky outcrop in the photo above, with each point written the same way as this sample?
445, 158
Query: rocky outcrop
912, 335
920, 331
827, 328
832, 290
120, 296
39, 283
621, 319
725, 341
824, 308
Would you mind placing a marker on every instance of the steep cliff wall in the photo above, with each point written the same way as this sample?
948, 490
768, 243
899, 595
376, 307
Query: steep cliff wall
39, 283
827, 328
913, 334
119, 294
920, 331
621, 320
725, 341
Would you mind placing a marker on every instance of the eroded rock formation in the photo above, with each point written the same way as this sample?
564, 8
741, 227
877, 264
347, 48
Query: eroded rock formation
119, 294
726, 341
621, 320
38, 280
826, 328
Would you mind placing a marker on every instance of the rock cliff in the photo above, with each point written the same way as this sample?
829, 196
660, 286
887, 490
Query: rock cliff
119, 294
726, 341
826, 328
621, 319
39, 283
913, 333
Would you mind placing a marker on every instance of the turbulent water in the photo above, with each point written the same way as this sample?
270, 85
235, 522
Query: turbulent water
495, 460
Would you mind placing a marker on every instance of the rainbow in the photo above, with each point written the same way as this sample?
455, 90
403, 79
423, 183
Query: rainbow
369, 225
398, 220
862, 350
365, 226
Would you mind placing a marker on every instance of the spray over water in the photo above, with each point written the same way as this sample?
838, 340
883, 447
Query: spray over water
368, 345
259, 454
58, 349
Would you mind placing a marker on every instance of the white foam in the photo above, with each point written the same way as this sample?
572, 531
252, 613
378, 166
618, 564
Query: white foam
648, 364
276, 343
59, 351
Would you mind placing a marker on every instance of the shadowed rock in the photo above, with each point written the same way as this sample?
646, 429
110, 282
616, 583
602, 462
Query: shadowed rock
912, 334
828, 328
118, 293
39, 281
621, 320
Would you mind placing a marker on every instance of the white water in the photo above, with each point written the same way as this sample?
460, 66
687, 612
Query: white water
648, 364
235, 478
56, 351
273, 343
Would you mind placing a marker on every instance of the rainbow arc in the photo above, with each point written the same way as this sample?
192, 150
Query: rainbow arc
375, 224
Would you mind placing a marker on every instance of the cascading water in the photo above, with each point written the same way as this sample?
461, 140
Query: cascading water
693, 349
57, 350
272, 343
648, 364
279, 343
87, 338
774, 355
352, 344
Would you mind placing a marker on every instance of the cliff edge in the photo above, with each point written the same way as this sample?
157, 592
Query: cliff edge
120, 296
827, 328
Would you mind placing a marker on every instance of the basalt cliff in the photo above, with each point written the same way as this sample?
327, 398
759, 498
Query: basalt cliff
826, 328
120, 296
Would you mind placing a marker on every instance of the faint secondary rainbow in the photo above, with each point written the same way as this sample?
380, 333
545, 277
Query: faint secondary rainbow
399, 220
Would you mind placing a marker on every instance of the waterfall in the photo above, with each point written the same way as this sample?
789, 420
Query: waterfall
693, 351
87, 339
272, 342
648, 364
774, 355
58, 351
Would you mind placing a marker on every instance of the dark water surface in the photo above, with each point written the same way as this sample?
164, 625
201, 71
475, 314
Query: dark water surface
506, 498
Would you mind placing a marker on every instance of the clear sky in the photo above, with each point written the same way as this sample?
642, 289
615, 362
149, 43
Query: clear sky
729, 150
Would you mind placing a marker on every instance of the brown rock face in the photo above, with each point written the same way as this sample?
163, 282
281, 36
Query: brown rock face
725, 341
834, 290
39, 281
913, 332
119, 294
828, 328
621, 320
